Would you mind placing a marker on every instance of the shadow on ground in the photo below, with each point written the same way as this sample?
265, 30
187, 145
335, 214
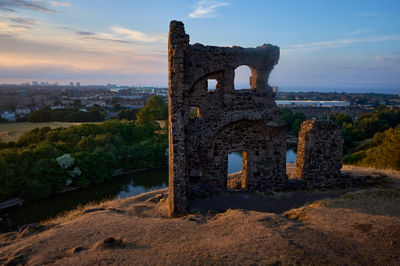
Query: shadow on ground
277, 203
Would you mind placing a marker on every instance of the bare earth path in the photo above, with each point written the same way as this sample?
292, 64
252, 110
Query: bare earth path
361, 227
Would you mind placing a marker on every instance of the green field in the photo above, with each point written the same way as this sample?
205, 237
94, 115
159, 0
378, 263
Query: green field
12, 131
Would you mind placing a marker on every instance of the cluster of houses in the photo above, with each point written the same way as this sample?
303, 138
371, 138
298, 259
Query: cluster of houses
105, 98
20, 112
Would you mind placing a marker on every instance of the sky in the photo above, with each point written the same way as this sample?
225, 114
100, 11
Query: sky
329, 45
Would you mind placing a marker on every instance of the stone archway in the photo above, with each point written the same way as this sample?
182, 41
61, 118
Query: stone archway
246, 120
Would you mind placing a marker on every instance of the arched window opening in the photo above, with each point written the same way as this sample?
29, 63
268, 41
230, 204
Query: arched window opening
242, 78
212, 84
237, 170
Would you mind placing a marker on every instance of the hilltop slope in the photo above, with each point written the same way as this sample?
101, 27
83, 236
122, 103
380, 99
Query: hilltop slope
360, 227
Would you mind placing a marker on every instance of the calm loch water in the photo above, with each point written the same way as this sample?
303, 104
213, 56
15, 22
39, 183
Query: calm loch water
120, 187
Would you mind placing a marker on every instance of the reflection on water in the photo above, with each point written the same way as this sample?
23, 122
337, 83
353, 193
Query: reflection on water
119, 187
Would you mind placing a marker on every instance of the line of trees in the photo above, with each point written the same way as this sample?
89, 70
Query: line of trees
372, 140
46, 114
382, 152
365, 126
44, 161
293, 120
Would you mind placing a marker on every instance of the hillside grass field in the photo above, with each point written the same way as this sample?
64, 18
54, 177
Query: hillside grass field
12, 131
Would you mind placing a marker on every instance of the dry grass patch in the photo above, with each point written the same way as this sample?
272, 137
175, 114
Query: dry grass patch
78, 211
385, 202
393, 175
373, 201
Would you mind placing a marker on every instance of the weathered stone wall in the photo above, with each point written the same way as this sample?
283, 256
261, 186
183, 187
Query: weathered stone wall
319, 154
227, 120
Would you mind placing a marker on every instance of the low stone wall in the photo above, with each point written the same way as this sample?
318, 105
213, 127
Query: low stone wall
319, 154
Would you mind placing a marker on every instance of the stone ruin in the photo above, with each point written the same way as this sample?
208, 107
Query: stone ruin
206, 125
319, 154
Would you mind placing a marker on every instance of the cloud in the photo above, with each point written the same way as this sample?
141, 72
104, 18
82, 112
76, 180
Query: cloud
95, 36
394, 59
78, 50
123, 38
207, 9
338, 43
84, 33
12, 25
82, 56
13, 5
8, 28
21, 20
18, 20
89, 37
12, 29
59, 4
358, 32
138, 35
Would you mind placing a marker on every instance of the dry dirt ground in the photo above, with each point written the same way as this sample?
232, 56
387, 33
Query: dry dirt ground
357, 226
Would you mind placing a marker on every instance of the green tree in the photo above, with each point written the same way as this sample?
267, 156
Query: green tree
155, 109
77, 103
340, 119
382, 152
128, 114
293, 120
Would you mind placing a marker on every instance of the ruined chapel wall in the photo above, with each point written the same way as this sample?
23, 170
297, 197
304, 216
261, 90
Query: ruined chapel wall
178, 42
229, 120
319, 153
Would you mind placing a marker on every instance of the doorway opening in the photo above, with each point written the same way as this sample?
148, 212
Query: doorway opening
291, 158
237, 170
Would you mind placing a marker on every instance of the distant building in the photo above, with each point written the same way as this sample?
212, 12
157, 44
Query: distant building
116, 89
10, 116
22, 112
109, 85
161, 92
54, 107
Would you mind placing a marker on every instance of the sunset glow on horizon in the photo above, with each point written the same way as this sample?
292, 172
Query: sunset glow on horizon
337, 45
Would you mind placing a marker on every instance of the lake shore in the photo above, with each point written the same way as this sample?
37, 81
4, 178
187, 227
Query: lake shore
19, 202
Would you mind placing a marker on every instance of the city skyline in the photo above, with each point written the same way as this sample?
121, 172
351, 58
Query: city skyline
338, 45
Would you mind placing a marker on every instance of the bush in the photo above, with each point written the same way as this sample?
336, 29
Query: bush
382, 152
44, 160
65, 115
